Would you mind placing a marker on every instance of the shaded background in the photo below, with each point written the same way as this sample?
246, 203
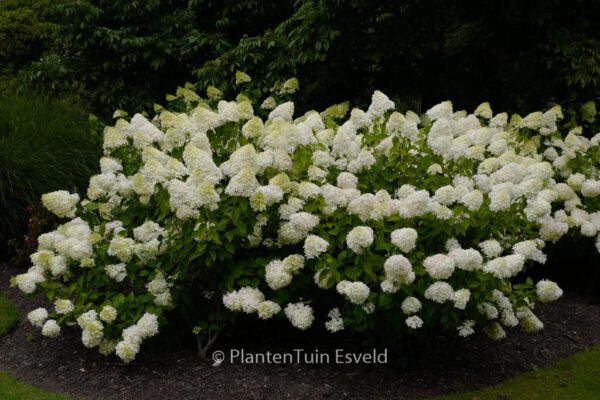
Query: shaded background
519, 55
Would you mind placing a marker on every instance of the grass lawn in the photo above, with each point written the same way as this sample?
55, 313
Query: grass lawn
575, 378
12, 389
9, 316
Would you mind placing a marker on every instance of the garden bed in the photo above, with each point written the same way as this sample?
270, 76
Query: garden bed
445, 365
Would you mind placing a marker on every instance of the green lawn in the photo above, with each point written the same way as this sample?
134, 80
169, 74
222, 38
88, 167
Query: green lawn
575, 378
9, 316
12, 389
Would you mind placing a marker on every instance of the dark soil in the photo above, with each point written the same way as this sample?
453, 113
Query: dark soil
441, 365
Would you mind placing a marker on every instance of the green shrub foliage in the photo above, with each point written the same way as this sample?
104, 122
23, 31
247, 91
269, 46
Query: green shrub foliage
346, 220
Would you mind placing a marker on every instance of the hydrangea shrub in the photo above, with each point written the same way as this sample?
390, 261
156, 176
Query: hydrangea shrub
338, 219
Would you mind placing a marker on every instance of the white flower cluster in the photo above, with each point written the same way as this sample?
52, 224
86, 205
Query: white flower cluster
356, 292
146, 327
246, 299
279, 274
439, 266
360, 238
300, 315
368, 200
61, 203
314, 246
159, 288
548, 291
336, 322
71, 244
398, 271
405, 239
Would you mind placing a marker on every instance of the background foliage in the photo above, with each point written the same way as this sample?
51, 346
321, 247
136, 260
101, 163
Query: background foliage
43, 146
518, 55
26, 29
128, 54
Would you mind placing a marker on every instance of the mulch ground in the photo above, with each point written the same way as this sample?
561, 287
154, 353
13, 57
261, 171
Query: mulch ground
442, 365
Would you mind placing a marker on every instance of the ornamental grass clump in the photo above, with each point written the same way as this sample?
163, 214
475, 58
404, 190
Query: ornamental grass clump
44, 146
327, 219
